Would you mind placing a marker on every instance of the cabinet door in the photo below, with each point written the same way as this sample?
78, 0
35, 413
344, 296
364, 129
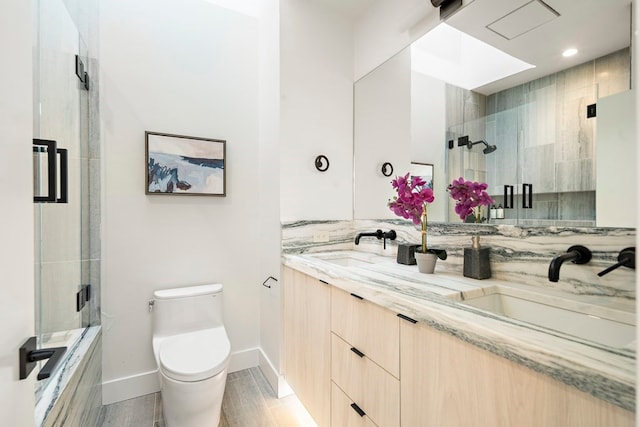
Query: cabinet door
447, 382
307, 342
375, 390
343, 414
370, 328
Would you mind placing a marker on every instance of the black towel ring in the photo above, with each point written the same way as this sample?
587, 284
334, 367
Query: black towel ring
387, 169
269, 278
322, 163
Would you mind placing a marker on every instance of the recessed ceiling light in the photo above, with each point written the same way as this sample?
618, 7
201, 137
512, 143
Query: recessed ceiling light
569, 52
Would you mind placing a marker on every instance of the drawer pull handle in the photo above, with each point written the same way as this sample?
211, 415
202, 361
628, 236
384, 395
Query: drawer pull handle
357, 296
358, 352
407, 318
358, 410
322, 281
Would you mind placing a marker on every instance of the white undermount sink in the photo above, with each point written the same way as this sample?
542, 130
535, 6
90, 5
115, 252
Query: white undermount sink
609, 327
348, 260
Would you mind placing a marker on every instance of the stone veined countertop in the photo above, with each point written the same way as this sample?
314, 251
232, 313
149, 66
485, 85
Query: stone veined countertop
605, 372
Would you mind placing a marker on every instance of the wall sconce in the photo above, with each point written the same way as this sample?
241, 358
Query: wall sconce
387, 169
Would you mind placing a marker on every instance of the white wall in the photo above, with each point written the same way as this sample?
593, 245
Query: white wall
188, 68
16, 216
269, 190
382, 134
428, 130
635, 80
316, 65
616, 151
387, 27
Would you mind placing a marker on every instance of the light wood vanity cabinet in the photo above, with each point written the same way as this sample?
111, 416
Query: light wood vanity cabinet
307, 342
365, 357
448, 382
370, 328
340, 350
343, 414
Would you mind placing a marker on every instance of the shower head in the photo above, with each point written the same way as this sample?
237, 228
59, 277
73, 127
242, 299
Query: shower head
487, 150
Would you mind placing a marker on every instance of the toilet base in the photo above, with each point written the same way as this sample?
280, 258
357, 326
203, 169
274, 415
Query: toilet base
192, 404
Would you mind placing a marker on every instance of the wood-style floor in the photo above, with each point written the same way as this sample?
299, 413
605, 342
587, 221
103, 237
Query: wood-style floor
248, 401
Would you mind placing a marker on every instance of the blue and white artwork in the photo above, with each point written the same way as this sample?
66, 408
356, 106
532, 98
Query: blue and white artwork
424, 171
185, 165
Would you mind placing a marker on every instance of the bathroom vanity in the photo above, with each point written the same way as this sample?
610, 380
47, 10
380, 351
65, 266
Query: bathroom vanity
370, 342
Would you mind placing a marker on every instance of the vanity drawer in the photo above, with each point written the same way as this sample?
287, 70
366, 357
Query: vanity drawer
343, 414
368, 327
375, 390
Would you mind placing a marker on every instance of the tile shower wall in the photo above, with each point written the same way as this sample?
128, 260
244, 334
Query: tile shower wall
78, 390
518, 254
554, 140
61, 104
464, 111
543, 136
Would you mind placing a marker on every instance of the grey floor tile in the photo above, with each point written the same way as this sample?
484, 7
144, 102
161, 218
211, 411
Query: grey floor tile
157, 411
248, 401
129, 413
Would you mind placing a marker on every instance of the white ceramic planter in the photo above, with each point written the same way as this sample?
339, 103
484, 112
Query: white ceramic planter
426, 262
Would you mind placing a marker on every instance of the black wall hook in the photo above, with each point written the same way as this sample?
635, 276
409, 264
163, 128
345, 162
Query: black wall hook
387, 169
322, 163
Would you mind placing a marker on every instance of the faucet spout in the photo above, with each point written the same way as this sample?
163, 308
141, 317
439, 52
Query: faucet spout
378, 234
577, 254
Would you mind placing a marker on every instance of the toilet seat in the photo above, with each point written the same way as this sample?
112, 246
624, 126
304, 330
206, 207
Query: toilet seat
195, 356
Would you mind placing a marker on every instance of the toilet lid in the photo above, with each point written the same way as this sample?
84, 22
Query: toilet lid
195, 356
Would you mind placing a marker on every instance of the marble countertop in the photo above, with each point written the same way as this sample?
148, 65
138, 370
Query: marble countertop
438, 299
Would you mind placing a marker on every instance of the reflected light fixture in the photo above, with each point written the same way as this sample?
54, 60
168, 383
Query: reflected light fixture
569, 52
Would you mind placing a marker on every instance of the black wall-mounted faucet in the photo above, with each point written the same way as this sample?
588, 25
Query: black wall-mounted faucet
380, 235
626, 258
576, 254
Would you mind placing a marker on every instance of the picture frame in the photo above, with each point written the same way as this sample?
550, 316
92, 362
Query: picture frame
423, 170
180, 165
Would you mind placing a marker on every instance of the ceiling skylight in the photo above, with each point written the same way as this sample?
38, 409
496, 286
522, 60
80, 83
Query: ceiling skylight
461, 60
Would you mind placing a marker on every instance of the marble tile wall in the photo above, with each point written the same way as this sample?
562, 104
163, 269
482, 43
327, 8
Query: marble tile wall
542, 133
73, 396
519, 254
465, 111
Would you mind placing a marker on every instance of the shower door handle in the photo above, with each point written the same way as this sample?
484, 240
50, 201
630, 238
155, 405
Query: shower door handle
29, 356
41, 146
508, 197
527, 196
49, 147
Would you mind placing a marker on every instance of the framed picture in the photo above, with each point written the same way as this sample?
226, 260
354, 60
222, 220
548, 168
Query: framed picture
185, 165
423, 170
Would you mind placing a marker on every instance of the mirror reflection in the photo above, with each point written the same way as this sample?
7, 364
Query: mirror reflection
531, 137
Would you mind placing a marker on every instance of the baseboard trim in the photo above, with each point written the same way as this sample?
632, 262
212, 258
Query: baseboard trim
129, 387
244, 359
148, 382
275, 380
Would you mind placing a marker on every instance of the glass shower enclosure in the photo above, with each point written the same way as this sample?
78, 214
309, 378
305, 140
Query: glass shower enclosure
63, 246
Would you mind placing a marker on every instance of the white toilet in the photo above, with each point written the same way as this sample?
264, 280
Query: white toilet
192, 350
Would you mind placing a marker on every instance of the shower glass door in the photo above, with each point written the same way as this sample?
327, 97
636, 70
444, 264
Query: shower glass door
60, 114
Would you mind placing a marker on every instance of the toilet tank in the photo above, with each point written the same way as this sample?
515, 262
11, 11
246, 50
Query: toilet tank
187, 309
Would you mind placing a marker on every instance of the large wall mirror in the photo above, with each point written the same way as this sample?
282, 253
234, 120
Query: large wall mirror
552, 136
